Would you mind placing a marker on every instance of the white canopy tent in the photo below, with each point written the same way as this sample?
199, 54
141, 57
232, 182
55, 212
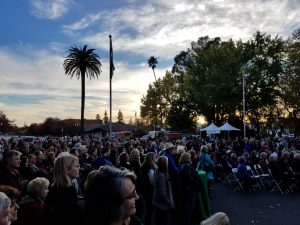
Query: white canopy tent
227, 127
211, 129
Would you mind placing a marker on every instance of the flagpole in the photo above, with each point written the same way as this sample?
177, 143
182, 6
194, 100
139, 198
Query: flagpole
111, 71
110, 76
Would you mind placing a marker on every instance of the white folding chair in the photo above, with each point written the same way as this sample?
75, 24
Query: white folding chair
264, 177
277, 183
258, 182
236, 180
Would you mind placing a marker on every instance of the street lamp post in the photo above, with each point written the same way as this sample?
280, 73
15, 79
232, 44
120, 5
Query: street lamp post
244, 74
244, 105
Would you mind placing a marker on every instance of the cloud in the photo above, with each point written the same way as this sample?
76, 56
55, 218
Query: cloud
49, 9
140, 29
164, 28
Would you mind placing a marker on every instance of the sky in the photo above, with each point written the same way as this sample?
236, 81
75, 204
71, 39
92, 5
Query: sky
36, 35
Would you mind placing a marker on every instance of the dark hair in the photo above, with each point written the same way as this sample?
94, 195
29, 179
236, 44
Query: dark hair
103, 197
162, 164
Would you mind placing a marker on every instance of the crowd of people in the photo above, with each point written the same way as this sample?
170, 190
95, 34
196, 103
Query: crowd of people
135, 181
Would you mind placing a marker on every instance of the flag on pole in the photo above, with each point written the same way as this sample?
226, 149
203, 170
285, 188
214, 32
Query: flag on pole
111, 61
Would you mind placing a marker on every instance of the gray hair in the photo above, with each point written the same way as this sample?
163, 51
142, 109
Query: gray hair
5, 202
104, 194
273, 157
218, 218
37, 184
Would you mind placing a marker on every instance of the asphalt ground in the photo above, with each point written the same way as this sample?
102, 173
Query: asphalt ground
256, 208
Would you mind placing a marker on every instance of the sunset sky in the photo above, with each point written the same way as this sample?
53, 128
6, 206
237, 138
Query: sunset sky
36, 34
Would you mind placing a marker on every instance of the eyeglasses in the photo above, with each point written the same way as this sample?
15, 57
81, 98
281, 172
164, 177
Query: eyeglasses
132, 195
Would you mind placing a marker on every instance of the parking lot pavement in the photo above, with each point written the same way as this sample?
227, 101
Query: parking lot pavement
256, 208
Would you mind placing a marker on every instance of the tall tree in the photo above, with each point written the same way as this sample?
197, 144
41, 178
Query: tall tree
263, 76
212, 78
120, 117
105, 117
152, 62
290, 80
156, 104
6, 125
97, 117
130, 121
82, 62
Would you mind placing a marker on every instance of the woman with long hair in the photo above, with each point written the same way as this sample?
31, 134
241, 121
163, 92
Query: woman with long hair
147, 179
60, 205
162, 197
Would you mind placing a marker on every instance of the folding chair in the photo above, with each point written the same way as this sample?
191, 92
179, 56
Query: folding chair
258, 182
236, 180
264, 177
292, 186
229, 177
277, 183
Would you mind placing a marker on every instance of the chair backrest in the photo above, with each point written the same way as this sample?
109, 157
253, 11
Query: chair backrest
258, 169
251, 171
271, 175
249, 168
234, 170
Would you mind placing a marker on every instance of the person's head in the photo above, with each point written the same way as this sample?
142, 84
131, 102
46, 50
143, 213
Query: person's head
204, 149
150, 158
105, 151
39, 155
124, 157
38, 187
180, 149
185, 158
297, 156
263, 155
65, 169
218, 218
12, 158
273, 157
153, 144
162, 164
135, 155
31, 159
170, 147
5, 216
242, 159
14, 195
110, 195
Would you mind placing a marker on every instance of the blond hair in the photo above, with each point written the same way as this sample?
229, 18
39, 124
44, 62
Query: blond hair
185, 158
135, 156
61, 166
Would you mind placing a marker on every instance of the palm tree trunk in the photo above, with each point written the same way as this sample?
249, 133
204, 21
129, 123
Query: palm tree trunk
82, 103
154, 74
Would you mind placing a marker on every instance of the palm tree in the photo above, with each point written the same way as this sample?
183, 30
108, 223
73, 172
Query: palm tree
82, 62
152, 62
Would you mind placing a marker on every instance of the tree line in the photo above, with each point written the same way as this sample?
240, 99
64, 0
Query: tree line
206, 79
55, 126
